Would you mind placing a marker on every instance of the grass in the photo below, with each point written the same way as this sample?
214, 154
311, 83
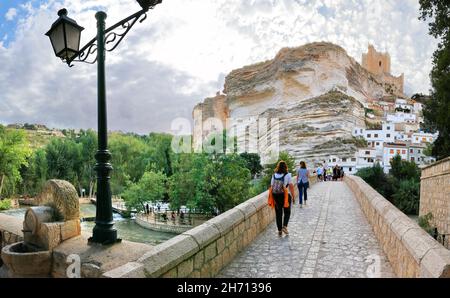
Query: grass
5, 204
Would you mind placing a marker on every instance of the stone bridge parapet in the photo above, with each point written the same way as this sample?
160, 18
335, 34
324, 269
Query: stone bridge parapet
411, 251
206, 249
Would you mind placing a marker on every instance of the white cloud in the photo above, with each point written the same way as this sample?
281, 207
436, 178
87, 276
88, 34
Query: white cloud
11, 14
183, 51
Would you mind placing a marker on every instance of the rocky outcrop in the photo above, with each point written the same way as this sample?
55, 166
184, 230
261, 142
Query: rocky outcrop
317, 91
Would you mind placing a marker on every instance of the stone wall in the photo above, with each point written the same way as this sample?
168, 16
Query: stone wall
410, 250
206, 249
162, 227
10, 231
435, 196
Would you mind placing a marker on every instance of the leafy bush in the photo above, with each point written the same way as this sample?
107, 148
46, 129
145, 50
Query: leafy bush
5, 204
407, 196
425, 223
150, 188
376, 178
404, 170
401, 186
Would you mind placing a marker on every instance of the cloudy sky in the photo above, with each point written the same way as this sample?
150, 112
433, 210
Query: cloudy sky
183, 51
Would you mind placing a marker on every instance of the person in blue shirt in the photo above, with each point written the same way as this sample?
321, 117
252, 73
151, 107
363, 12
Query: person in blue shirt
319, 173
302, 182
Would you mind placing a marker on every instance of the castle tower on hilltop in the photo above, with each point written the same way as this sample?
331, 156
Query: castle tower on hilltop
379, 64
376, 62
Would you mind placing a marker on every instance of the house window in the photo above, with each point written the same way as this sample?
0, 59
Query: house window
378, 143
360, 130
388, 135
344, 160
379, 63
398, 151
412, 158
356, 131
391, 151
350, 169
403, 151
369, 135
376, 135
418, 151
367, 152
411, 150
388, 128
334, 159
353, 159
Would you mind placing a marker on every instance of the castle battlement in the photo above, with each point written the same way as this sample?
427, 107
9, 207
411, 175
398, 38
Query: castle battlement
379, 64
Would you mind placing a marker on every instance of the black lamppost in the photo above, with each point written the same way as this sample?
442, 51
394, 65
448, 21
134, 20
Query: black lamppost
65, 38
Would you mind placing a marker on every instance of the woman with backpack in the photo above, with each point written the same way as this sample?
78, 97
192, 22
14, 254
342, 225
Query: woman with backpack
279, 196
302, 182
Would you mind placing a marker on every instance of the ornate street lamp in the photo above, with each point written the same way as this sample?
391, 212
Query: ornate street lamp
65, 38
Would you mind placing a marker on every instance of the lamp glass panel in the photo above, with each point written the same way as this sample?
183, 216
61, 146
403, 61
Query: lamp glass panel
73, 37
57, 38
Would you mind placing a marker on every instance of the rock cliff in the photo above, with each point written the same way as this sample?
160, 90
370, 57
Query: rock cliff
317, 91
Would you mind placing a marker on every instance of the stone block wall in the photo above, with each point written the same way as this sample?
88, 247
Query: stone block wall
10, 231
203, 251
435, 196
410, 250
162, 227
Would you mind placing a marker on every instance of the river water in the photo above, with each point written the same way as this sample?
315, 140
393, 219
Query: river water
126, 228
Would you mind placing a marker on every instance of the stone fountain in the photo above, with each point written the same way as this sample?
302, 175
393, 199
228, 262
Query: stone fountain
54, 220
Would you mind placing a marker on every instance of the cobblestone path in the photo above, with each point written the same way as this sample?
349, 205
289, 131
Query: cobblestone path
330, 237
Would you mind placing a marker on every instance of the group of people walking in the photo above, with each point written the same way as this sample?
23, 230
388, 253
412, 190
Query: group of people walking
326, 173
281, 193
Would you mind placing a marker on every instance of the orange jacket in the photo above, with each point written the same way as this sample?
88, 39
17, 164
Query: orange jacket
271, 201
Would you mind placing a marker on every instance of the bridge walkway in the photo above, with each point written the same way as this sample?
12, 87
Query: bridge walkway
330, 237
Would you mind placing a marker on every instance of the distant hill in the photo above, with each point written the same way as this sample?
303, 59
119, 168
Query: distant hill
38, 135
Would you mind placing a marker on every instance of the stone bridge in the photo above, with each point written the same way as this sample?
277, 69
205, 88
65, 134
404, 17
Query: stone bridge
346, 230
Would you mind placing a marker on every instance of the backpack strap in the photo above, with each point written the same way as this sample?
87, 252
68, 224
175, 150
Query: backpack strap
283, 179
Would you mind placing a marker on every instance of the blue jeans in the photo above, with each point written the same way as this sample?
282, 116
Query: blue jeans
302, 187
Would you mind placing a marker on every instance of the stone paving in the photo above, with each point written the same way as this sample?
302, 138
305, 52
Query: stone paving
330, 238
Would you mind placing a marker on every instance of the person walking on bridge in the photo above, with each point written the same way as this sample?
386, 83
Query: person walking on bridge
281, 194
302, 182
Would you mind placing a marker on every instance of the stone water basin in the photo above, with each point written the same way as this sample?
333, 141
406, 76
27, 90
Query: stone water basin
24, 260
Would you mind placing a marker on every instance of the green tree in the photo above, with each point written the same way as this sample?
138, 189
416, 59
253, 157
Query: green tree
209, 182
34, 174
183, 184
160, 155
253, 162
404, 170
229, 181
437, 109
128, 159
88, 141
407, 196
376, 178
14, 151
64, 161
150, 188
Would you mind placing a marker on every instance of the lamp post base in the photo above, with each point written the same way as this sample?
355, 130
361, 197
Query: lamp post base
104, 236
